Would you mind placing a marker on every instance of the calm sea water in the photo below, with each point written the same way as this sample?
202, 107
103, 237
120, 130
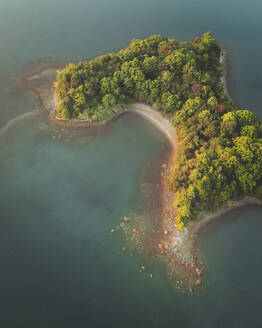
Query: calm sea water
62, 193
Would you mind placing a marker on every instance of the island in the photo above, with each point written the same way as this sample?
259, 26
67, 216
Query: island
216, 160
220, 148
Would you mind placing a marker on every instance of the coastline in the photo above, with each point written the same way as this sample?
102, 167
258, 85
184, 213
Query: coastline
178, 246
224, 63
182, 245
204, 218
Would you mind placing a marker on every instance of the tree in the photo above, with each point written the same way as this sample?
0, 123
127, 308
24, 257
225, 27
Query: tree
109, 100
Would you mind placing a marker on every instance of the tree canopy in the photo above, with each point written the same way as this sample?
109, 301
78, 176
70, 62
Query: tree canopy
159, 71
220, 157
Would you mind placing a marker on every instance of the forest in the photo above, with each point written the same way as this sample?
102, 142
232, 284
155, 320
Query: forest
220, 153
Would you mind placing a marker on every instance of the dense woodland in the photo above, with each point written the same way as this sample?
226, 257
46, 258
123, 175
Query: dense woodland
220, 152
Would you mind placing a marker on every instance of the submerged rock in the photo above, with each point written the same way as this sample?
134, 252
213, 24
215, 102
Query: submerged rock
134, 232
126, 219
198, 272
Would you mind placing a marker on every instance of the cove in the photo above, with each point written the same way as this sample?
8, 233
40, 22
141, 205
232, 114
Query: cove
61, 199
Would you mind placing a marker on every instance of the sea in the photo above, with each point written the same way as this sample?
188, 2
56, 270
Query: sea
67, 259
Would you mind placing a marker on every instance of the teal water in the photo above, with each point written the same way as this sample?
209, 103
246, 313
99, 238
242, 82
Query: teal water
60, 197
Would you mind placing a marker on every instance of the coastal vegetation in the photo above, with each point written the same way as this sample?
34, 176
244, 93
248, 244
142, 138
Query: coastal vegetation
220, 153
161, 72
219, 160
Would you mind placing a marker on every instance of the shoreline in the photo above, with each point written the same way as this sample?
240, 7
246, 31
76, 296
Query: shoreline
225, 79
183, 244
205, 218
179, 247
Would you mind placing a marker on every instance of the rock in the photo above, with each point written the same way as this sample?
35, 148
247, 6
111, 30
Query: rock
160, 246
198, 272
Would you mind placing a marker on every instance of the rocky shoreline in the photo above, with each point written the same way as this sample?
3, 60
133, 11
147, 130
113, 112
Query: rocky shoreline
181, 246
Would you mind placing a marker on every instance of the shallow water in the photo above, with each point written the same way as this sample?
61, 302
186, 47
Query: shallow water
63, 192
61, 198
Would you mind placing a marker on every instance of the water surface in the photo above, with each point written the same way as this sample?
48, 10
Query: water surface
61, 196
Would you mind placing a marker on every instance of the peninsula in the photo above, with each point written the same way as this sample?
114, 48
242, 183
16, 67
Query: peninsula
215, 163
219, 158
